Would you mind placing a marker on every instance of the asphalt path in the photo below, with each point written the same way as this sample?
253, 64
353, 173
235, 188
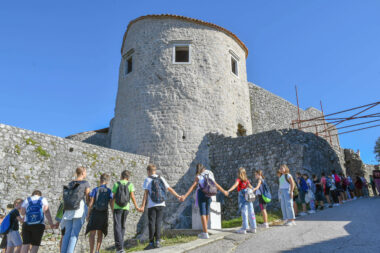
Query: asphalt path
351, 227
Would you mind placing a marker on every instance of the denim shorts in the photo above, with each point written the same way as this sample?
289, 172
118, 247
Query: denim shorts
13, 239
203, 203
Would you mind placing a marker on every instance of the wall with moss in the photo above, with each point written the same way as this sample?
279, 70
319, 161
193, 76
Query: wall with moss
31, 160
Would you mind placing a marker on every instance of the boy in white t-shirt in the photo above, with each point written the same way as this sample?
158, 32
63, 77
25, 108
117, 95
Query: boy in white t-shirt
155, 188
34, 226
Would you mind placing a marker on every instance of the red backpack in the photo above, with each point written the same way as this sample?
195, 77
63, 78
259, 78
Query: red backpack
337, 178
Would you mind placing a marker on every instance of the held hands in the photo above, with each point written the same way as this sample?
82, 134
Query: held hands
181, 198
226, 193
141, 209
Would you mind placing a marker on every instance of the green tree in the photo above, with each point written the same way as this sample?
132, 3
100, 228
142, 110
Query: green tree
377, 149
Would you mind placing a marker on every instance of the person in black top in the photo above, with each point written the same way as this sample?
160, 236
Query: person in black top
318, 192
3, 244
14, 241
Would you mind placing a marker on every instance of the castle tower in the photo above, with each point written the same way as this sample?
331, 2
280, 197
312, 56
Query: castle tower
179, 79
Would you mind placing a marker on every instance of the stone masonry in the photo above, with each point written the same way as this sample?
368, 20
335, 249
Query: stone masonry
270, 112
304, 152
31, 160
164, 109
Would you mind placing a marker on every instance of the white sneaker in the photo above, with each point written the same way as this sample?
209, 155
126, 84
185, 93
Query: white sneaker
265, 225
203, 236
355, 198
311, 211
303, 214
336, 204
289, 223
294, 223
252, 230
241, 231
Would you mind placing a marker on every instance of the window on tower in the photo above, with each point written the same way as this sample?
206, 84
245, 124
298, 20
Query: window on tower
128, 62
181, 54
234, 65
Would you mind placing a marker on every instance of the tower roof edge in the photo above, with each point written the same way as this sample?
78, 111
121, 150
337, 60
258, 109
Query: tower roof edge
193, 20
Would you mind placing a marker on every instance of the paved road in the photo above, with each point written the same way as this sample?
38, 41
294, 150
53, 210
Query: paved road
352, 227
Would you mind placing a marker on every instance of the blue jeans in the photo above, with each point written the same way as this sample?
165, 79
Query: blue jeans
247, 212
286, 205
72, 230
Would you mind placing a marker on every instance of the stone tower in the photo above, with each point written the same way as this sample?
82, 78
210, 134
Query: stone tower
179, 79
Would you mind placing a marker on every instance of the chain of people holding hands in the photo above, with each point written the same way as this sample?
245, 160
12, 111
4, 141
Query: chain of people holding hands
80, 203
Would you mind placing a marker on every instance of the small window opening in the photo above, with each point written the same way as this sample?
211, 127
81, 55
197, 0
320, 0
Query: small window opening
182, 53
241, 131
71, 149
234, 66
128, 65
183, 137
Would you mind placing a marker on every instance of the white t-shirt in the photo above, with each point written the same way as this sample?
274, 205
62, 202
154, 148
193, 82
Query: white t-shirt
203, 174
148, 186
283, 182
35, 198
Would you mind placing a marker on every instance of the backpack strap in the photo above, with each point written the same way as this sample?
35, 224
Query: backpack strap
29, 200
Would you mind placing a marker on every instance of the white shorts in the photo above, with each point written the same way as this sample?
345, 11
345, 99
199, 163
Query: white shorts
13, 239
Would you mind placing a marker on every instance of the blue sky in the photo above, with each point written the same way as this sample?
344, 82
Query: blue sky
59, 60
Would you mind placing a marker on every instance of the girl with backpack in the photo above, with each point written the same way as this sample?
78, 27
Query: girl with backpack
75, 199
245, 206
285, 193
259, 190
206, 187
326, 184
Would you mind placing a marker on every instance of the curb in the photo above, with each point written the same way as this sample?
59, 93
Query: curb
216, 235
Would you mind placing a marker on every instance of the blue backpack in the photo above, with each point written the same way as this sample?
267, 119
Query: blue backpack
5, 225
328, 183
34, 212
266, 195
158, 190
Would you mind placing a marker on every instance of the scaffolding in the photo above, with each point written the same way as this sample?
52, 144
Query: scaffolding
325, 126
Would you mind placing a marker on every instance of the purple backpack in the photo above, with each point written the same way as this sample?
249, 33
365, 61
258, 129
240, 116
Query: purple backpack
208, 187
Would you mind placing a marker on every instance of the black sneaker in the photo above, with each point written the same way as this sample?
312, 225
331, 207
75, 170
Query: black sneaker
322, 208
158, 244
150, 246
330, 206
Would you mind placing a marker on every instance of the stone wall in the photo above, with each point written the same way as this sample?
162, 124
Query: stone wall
31, 160
304, 152
97, 137
270, 112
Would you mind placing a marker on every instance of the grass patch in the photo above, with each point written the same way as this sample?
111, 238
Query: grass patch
42, 152
233, 223
165, 241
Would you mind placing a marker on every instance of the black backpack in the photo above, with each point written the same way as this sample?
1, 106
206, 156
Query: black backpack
122, 195
102, 199
72, 196
158, 190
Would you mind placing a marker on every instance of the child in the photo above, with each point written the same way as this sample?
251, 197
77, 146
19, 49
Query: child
14, 241
334, 191
302, 192
310, 192
247, 211
74, 218
259, 190
318, 192
35, 208
326, 184
154, 186
285, 193
3, 244
100, 198
120, 207
203, 200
